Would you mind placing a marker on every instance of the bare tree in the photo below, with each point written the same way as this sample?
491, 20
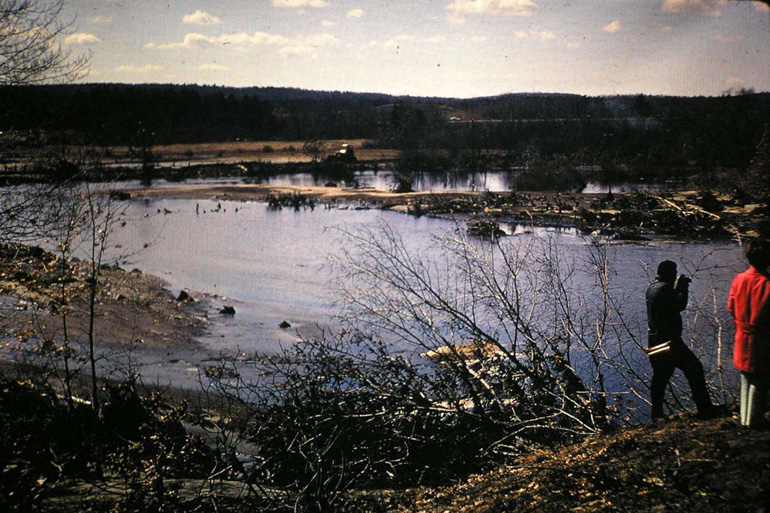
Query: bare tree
315, 149
451, 357
30, 48
31, 53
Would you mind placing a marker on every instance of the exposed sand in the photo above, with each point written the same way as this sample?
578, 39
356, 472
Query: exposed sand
248, 192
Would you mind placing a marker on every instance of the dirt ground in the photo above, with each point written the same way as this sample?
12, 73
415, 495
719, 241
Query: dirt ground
683, 465
131, 307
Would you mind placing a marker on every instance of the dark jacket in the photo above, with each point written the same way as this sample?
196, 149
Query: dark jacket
664, 304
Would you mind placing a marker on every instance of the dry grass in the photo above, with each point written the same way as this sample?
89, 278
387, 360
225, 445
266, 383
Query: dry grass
683, 465
279, 152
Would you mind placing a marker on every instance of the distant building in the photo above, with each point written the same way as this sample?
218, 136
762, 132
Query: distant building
346, 153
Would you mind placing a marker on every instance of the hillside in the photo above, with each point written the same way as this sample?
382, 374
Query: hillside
681, 465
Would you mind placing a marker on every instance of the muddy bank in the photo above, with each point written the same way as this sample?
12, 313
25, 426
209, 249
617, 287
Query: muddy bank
688, 215
131, 307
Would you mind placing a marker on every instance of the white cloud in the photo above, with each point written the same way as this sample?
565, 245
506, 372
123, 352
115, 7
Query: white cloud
191, 40
454, 18
534, 34
355, 13
435, 39
201, 18
319, 40
213, 67
138, 70
613, 27
574, 45
298, 51
498, 7
300, 3
307, 46
711, 7
728, 39
401, 39
303, 46
99, 20
479, 39
194, 40
328, 23
243, 39
81, 38
397, 41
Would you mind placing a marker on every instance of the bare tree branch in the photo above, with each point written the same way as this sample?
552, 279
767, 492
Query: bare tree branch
31, 50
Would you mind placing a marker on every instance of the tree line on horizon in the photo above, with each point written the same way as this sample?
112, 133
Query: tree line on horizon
664, 131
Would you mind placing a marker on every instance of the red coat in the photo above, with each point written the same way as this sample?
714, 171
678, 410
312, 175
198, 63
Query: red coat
749, 304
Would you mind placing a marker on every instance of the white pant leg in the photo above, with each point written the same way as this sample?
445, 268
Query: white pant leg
744, 399
753, 398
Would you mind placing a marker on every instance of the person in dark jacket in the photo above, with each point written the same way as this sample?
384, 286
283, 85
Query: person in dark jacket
749, 304
666, 297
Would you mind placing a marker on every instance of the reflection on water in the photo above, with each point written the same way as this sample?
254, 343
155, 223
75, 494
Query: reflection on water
495, 181
450, 181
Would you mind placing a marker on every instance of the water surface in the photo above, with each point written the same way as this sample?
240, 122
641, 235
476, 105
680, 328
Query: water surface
273, 266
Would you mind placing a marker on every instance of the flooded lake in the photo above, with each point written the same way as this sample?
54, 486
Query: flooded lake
273, 265
270, 264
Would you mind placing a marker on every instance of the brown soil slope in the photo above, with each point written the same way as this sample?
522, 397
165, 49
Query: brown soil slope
683, 465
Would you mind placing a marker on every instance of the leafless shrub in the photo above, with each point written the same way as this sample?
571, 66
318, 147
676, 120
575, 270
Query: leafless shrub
30, 48
446, 363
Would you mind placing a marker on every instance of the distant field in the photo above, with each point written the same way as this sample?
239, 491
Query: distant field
266, 151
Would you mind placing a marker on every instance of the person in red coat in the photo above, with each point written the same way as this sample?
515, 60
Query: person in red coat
749, 304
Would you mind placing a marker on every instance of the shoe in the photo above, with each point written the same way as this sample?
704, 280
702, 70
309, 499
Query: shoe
713, 412
762, 425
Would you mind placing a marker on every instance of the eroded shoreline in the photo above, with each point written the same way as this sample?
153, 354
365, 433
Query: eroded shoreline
132, 308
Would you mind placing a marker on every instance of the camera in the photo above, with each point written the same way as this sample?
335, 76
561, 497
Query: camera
684, 279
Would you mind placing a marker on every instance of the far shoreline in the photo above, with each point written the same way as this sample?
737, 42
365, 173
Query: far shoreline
692, 215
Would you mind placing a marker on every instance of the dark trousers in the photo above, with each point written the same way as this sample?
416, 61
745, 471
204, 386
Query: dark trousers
663, 366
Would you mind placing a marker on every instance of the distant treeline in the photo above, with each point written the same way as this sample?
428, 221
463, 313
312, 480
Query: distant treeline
707, 132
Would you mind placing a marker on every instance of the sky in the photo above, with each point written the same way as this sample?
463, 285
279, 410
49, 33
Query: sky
449, 48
